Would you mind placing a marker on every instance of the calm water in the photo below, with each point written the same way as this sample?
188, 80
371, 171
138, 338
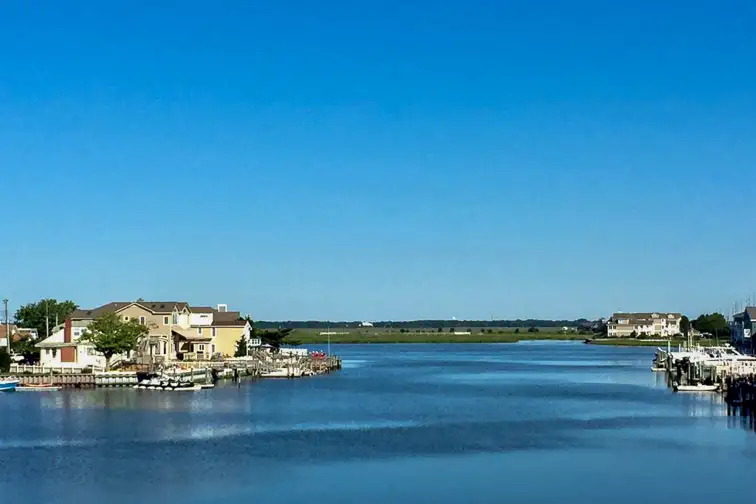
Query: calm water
533, 422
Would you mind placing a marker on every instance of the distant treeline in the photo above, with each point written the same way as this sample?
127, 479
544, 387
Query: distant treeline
426, 324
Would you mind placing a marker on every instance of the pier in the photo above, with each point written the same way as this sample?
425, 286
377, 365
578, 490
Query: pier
257, 365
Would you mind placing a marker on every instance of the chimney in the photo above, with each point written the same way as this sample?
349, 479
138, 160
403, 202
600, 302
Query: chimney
222, 307
67, 331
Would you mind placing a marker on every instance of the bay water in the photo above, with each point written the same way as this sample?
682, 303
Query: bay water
535, 422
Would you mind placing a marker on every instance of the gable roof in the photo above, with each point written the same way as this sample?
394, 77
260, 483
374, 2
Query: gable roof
228, 319
151, 306
751, 311
201, 309
92, 313
163, 306
13, 329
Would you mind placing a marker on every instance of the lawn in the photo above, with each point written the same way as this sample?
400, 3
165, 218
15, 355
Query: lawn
497, 335
381, 335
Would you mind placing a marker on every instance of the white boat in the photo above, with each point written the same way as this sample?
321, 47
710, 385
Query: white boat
8, 384
695, 388
166, 383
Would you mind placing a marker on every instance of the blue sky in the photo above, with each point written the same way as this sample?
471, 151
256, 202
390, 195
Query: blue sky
380, 159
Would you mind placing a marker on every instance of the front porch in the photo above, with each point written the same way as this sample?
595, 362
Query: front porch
193, 346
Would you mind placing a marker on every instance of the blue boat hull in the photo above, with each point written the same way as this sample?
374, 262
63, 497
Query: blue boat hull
8, 386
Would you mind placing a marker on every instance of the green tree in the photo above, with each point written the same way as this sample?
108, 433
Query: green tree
440, 329
241, 347
112, 336
533, 330
634, 334
5, 361
517, 330
36, 315
451, 329
712, 323
685, 325
272, 337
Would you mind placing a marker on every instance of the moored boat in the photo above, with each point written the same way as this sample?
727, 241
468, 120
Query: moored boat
8, 384
166, 383
700, 387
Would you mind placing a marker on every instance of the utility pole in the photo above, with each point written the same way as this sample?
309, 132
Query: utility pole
7, 327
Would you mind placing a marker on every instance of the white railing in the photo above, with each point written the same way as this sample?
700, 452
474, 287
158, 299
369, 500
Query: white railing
30, 369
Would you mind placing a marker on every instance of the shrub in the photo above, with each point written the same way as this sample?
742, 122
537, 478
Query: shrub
5, 361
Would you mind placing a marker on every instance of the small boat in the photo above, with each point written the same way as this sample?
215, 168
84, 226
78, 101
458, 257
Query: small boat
8, 384
166, 384
700, 387
37, 388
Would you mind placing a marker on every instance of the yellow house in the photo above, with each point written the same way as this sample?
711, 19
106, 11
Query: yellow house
177, 331
210, 332
227, 329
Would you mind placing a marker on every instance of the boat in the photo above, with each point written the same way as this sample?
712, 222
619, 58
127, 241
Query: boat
278, 373
37, 388
700, 387
158, 382
8, 384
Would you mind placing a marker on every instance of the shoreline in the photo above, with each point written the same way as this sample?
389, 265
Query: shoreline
310, 338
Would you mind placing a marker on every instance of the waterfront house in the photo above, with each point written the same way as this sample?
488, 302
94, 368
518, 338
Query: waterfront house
177, 331
64, 350
623, 325
17, 334
210, 332
742, 328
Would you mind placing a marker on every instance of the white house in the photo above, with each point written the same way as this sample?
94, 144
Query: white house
63, 348
646, 323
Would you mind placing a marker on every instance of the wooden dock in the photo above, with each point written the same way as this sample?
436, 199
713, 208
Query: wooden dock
257, 365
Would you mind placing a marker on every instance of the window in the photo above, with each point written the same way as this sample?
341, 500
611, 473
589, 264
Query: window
200, 348
165, 320
175, 318
125, 319
141, 320
165, 347
213, 331
212, 349
199, 331
47, 351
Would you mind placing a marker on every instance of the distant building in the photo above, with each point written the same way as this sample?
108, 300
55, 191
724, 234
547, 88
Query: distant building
742, 327
623, 325
366, 324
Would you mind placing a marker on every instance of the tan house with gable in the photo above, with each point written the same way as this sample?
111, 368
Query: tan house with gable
177, 331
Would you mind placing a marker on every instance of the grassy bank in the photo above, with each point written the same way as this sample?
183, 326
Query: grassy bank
367, 336
306, 336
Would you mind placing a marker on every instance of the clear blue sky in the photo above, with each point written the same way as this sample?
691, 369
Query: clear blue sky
380, 159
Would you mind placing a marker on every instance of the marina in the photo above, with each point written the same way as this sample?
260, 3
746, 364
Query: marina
200, 373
